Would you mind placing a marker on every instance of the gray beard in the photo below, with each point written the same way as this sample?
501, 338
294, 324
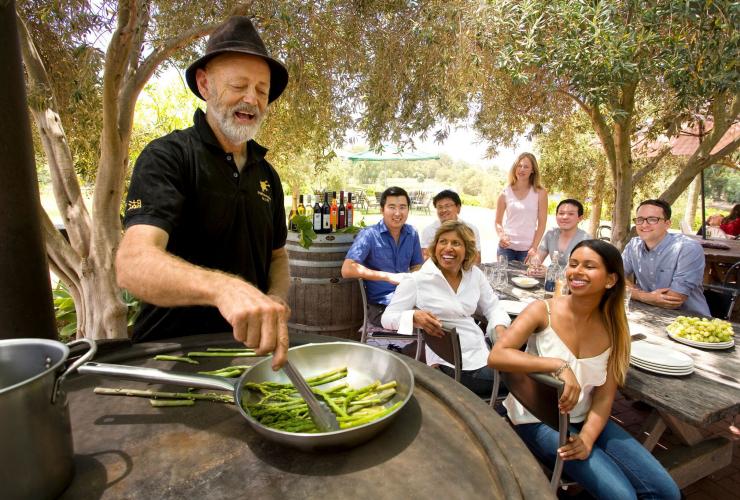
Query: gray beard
235, 132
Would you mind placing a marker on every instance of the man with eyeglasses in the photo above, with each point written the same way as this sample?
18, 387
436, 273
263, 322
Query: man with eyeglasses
381, 254
668, 268
448, 205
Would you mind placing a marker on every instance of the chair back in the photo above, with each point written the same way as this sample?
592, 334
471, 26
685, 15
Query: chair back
539, 394
377, 332
446, 347
721, 298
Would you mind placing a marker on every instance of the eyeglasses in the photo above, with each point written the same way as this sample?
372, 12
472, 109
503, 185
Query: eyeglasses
650, 220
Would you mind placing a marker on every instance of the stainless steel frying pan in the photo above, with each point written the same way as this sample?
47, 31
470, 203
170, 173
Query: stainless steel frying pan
365, 365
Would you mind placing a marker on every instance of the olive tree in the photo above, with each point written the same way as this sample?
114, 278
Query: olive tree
629, 66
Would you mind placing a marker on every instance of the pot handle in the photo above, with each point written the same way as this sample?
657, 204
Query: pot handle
92, 349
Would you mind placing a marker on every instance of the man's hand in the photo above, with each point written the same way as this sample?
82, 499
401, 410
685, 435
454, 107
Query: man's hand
661, 297
428, 322
259, 321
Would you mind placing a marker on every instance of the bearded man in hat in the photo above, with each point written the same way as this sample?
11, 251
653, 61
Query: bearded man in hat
204, 246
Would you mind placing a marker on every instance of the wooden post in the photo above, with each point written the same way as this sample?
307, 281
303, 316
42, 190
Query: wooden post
25, 292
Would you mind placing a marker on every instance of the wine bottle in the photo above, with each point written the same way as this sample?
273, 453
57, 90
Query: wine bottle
551, 276
317, 227
291, 226
326, 215
333, 211
301, 206
309, 210
341, 212
350, 210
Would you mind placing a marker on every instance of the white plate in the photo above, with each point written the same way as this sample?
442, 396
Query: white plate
664, 372
703, 345
660, 355
648, 366
513, 306
525, 281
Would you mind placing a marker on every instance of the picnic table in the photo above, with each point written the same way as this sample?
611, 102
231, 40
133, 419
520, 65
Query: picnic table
687, 404
718, 259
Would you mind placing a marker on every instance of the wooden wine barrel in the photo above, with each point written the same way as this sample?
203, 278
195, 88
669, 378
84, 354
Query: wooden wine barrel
320, 299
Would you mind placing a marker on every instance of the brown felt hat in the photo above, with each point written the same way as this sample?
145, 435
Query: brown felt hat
238, 34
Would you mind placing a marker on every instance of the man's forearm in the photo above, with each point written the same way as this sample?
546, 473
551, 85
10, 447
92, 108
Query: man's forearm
351, 269
158, 277
279, 277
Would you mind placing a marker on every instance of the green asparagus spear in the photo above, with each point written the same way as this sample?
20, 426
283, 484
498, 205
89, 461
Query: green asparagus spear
167, 357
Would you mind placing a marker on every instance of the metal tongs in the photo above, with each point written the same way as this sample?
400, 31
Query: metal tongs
320, 413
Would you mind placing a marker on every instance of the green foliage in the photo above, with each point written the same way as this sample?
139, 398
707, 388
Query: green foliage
66, 314
64, 310
306, 234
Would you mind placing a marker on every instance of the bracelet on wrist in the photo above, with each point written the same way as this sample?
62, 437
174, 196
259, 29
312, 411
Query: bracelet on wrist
560, 370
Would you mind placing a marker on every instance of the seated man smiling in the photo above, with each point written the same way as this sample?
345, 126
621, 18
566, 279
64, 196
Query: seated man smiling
668, 268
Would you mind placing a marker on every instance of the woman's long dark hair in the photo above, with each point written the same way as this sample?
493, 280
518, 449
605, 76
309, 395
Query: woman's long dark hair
612, 307
733, 215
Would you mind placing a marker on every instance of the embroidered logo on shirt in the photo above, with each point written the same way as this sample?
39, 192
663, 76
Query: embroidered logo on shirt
264, 192
133, 204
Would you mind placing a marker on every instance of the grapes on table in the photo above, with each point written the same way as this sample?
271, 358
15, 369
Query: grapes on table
701, 329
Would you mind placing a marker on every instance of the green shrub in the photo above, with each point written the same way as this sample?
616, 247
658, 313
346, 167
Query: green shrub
66, 314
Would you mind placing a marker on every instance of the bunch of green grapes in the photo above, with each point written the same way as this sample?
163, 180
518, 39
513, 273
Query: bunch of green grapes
701, 329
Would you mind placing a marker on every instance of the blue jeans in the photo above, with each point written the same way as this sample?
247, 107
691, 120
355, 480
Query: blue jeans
510, 254
479, 381
618, 467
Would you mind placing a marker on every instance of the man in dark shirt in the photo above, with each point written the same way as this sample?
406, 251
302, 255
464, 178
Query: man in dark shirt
205, 223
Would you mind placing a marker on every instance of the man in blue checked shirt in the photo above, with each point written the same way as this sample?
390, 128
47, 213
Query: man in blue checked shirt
668, 268
383, 253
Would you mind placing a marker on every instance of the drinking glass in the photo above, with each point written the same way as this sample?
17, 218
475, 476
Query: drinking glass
503, 262
501, 278
627, 297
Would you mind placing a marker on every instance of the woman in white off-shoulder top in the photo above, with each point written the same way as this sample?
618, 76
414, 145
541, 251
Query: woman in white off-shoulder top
583, 339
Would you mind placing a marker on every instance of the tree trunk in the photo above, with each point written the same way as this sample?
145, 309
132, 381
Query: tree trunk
597, 197
103, 312
622, 186
690, 216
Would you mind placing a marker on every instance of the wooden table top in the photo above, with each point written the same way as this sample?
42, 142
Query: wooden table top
730, 255
709, 394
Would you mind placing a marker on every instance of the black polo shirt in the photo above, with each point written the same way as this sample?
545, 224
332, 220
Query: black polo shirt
216, 217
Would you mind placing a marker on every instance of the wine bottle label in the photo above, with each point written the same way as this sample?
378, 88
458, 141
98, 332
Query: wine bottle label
317, 221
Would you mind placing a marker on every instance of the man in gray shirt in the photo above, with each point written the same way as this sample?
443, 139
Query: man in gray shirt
561, 239
668, 268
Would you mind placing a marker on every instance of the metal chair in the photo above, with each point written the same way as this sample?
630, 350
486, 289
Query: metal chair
368, 330
446, 347
604, 233
539, 393
721, 298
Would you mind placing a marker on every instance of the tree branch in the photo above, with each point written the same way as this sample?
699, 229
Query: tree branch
43, 106
650, 166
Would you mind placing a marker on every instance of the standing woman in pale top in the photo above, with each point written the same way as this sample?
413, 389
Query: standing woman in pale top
521, 211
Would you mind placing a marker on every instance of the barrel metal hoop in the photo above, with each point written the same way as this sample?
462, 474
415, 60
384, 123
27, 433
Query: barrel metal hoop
316, 248
319, 281
316, 263
324, 328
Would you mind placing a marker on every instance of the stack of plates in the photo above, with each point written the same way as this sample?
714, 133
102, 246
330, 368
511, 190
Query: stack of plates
659, 359
513, 307
703, 345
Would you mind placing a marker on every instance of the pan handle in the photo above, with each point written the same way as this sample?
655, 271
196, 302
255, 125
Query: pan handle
153, 375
